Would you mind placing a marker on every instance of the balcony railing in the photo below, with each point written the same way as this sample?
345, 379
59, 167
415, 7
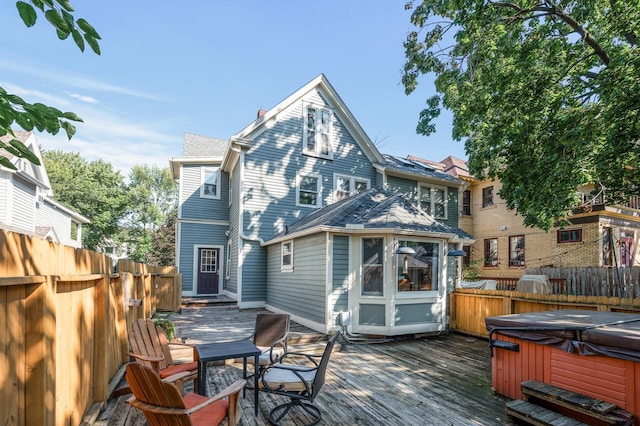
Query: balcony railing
587, 199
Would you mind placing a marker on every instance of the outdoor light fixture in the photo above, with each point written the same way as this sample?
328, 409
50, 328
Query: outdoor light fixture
457, 253
405, 251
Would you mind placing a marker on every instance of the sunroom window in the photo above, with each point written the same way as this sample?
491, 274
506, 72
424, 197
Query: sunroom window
419, 271
346, 186
317, 132
209, 182
372, 266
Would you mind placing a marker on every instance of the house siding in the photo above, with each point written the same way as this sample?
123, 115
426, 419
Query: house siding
275, 161
254, 272
453, 210
197, 234
403, 186
4, 195
194, 207
23, 202
231, 284
49, 215
301, 291
340, 278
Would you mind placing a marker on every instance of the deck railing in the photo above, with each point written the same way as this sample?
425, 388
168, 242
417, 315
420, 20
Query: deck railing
63, 319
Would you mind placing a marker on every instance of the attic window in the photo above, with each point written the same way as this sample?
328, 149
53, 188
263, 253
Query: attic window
346, 186
317, 132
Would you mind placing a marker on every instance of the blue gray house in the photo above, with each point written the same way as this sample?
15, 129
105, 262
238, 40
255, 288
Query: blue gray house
27, 203
300, 213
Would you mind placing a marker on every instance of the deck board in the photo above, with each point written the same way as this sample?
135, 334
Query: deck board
439, 380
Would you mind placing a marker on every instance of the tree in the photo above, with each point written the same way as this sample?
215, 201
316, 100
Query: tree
154, 195
92, 188
546, 95
16, 111
163, 242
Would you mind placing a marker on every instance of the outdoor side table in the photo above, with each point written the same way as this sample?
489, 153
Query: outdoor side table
220, 351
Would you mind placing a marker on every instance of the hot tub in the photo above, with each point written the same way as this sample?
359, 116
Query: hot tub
589, 352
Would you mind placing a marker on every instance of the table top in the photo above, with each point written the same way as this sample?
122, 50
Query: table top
225, 350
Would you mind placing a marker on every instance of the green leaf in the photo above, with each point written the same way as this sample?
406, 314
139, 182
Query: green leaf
24, 152
77, 37
69, 18
69, 128
27, 13
93, 43
38, 4
66, 6
6, 163
62, 35
72, 116
57, 21
88, 29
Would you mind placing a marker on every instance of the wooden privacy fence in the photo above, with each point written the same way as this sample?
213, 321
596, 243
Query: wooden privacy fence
612, 282
63, 325
469, 307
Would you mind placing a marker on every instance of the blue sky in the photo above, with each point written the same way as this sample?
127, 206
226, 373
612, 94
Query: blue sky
206, 67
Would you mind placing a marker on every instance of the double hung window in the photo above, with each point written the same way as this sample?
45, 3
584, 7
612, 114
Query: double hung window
491, 252
487, 196
309, 191
210, 182
516, 251
418, 271
433, 200
346, 186
287, 256
317, 132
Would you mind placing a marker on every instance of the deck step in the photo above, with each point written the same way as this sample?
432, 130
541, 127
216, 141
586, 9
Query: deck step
533, 414
582, 405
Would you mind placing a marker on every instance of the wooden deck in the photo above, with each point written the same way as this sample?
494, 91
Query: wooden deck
440, 380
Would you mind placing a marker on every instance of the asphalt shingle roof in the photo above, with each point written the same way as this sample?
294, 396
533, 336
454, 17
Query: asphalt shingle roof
373, 209
203, 146
417, 168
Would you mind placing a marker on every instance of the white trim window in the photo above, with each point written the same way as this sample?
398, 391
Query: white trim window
433, 200
210, 182
346, 186
227, 272
372, 267
286, 256
309, 190
316, 139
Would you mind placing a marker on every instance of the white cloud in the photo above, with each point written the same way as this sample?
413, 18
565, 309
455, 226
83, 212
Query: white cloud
84, 98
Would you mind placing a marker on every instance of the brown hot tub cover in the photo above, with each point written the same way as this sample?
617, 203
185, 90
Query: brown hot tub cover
613, 334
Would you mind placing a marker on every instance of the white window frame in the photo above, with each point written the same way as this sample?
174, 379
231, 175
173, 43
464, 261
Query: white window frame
286, 266
352, 185
227, 272
314, 147
432, 189
318, 178
363, 266
203, 174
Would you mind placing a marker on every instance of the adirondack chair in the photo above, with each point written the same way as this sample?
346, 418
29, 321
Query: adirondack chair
163, 404
149, 346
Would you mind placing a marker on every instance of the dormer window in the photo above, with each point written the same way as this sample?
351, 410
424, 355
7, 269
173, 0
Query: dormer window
317, 132
346, 186
433, 200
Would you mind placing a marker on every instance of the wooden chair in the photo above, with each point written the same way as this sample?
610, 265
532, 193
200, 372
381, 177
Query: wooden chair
163, 404
149, 346
300, 383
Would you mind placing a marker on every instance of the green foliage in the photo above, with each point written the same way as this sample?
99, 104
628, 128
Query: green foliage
471, 272
545, 95
163, 242
168, 327
16, 111
92, 188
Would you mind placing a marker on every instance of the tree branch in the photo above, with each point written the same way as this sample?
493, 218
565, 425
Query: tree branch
564, 17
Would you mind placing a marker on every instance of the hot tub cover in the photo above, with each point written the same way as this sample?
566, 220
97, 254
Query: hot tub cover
613, 334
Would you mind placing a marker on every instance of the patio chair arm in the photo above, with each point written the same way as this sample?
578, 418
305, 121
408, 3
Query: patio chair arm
282, 343
309, 357
154, 360
177, 377
235, 387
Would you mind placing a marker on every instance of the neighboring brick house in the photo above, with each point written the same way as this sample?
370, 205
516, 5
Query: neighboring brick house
300, 213
27, 204
600, 234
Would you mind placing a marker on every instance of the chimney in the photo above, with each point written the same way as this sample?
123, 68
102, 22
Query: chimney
261, 112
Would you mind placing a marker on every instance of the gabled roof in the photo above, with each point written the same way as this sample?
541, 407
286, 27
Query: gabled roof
372, 210
418, 169
331, 96
197, 149
35, 174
